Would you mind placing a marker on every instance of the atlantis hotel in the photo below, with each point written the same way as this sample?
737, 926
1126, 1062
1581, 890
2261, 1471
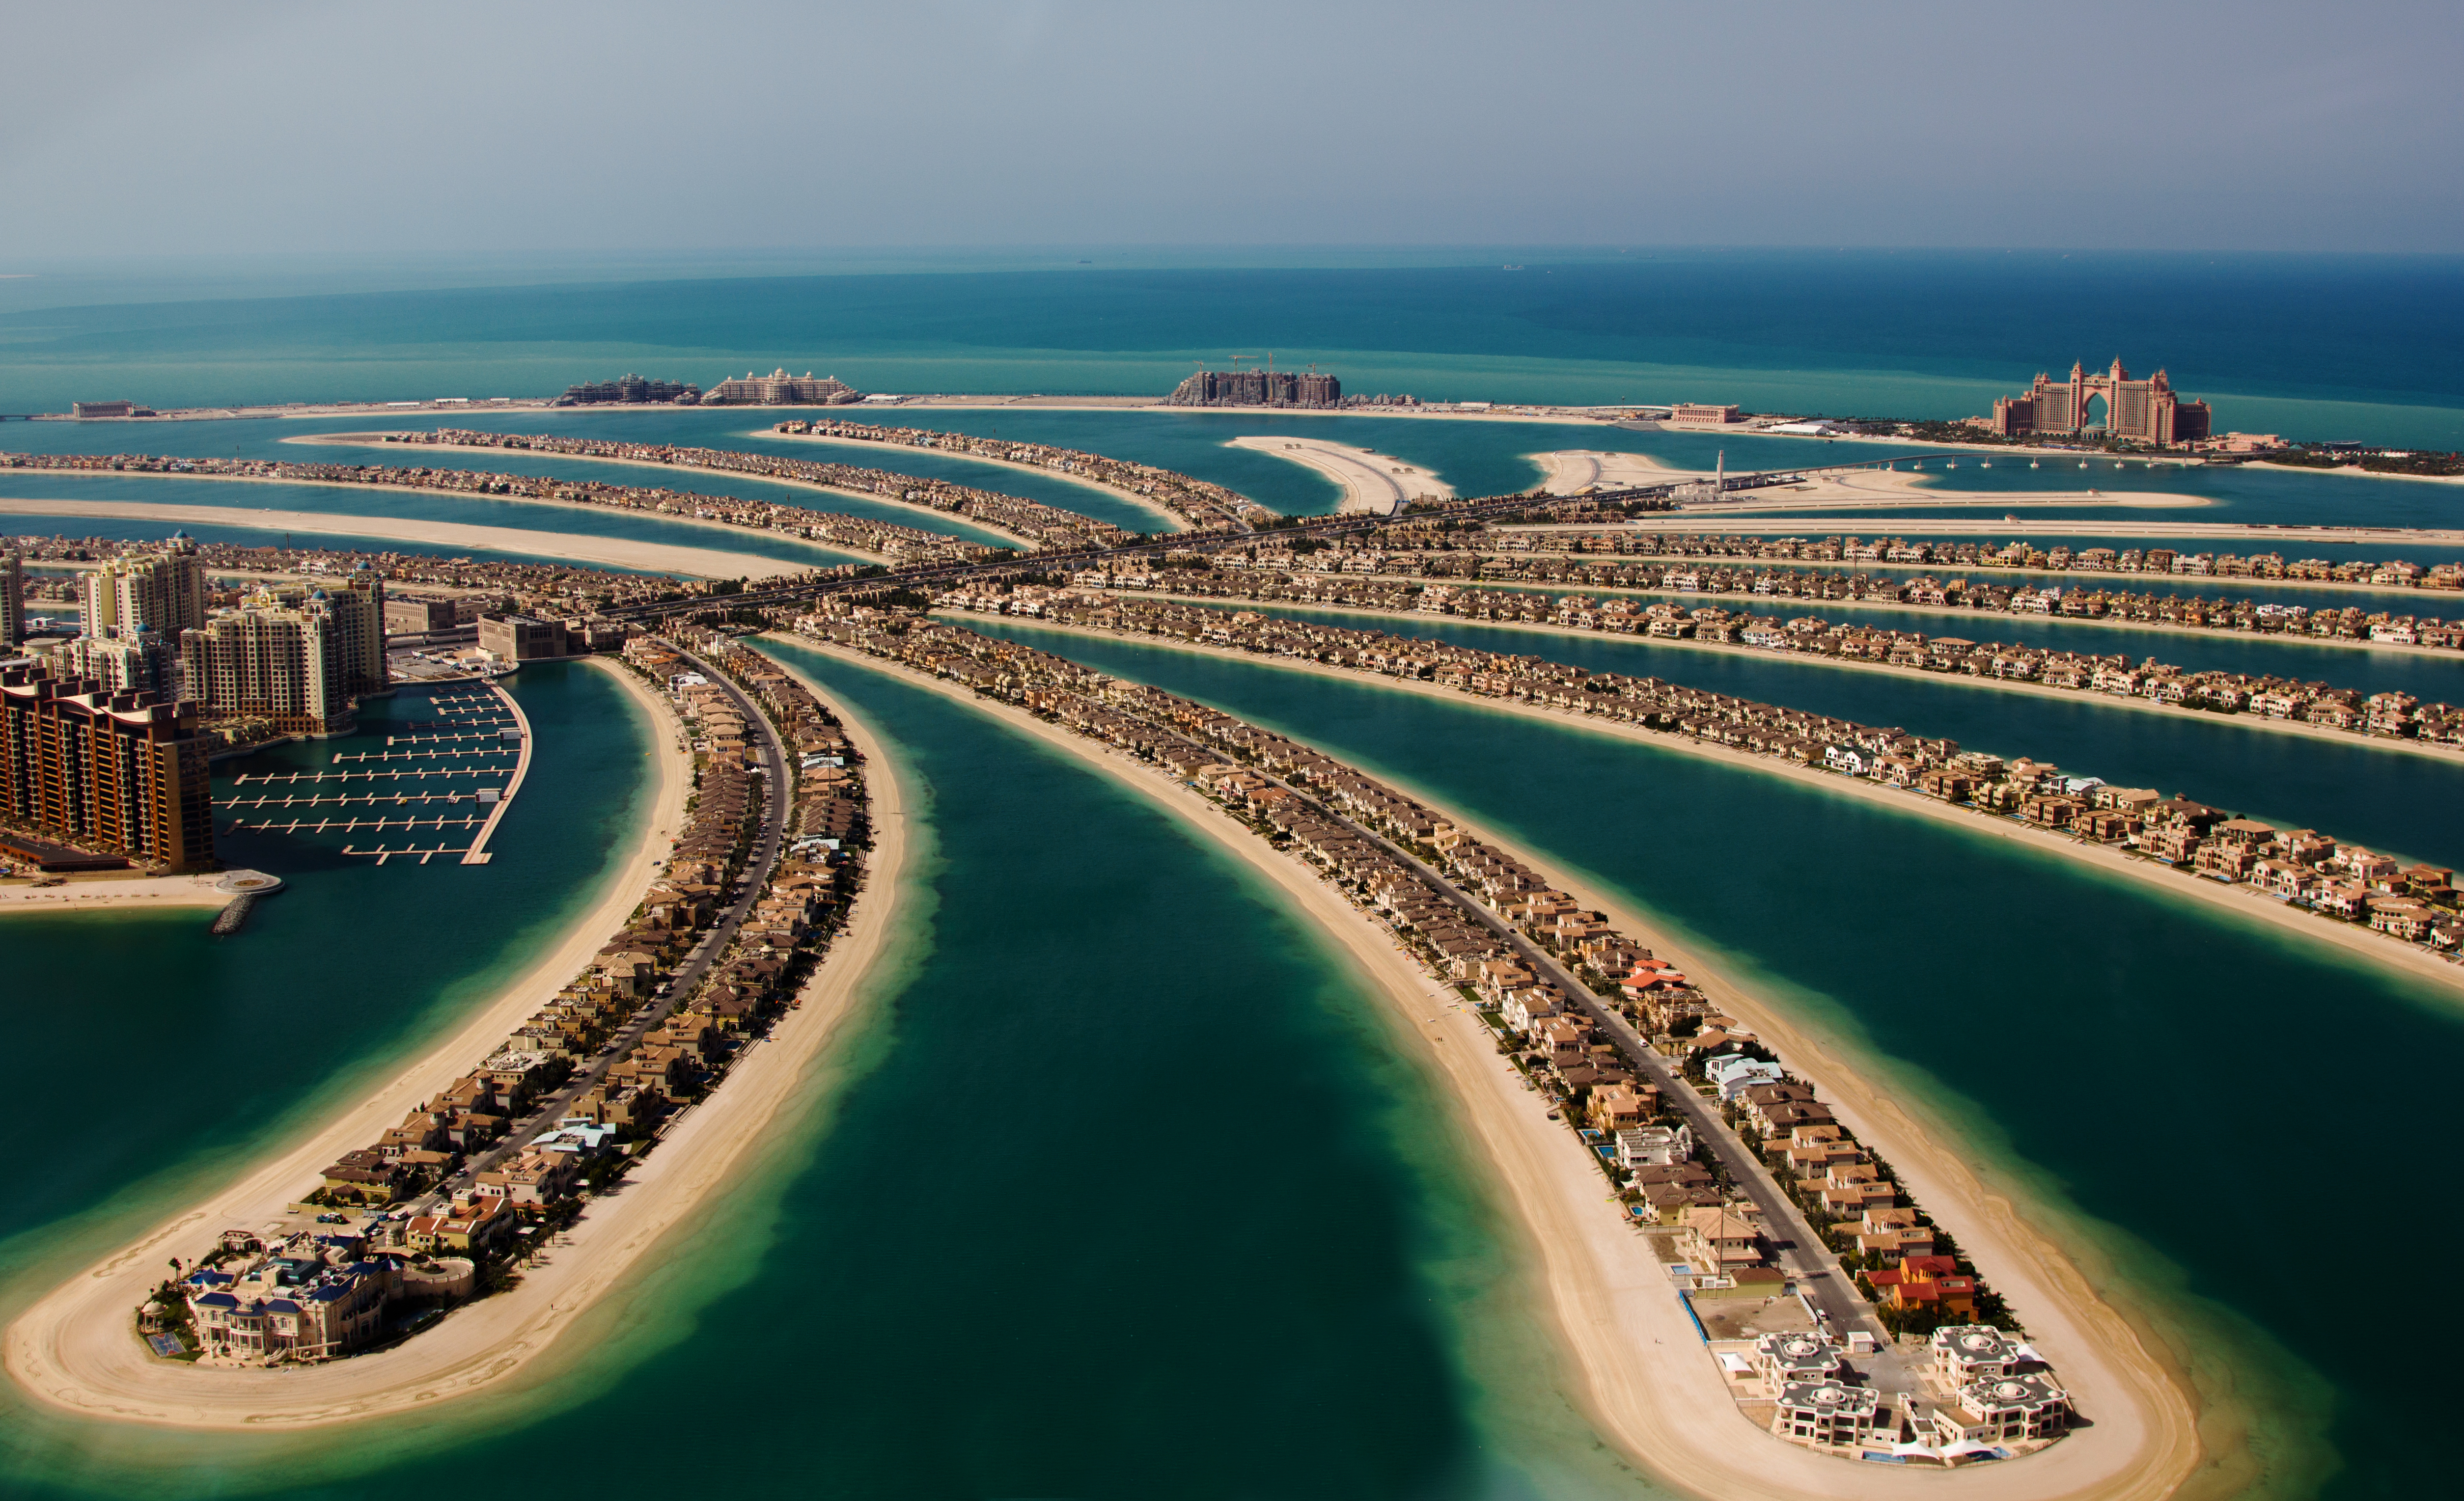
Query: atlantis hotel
2136, 412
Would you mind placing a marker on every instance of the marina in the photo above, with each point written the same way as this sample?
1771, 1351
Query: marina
489, 714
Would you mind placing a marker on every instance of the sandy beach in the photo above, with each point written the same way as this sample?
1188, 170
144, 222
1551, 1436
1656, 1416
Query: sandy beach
1572, 470
1166, 518
580, 547
1641, 1372
76, 1349
1759, 522
87, 893
473, 459
1849, 489
1983, 620
1372, 482
2133, 704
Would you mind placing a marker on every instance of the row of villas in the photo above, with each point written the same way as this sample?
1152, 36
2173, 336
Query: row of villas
856, 534
1043, 526
2389, 714
316, 1294
543, 588
1313, 806
2386, 573
2415, 905
2192, 612
1206, 506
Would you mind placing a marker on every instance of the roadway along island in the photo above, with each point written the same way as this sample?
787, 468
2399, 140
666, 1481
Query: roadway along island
1646, 1370
651, 1072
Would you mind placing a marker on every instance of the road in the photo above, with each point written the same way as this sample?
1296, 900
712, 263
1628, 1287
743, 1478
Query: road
713, 942
1801, 1252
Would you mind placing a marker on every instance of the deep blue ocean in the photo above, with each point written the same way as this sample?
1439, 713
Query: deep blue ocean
2362, 347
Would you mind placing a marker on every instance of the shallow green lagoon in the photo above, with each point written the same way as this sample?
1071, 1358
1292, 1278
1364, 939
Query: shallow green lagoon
174, 1054
2406, 804
1122, 1191
2141, 1064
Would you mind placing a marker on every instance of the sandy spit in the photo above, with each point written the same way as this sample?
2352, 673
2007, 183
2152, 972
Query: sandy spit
144, 891
1171, 520
1638, 1366
1371, 481
2402, 958
76, 1349
2133, 704
580, 547
719, 477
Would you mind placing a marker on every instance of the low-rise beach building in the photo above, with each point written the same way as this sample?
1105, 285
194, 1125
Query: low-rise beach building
1829, 1413
2008, 1409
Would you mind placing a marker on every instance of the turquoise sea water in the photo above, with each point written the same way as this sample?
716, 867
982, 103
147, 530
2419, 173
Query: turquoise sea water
934, 1286
219, 1045
2356, 792
2328, 347
1122, 1189
2089, 1040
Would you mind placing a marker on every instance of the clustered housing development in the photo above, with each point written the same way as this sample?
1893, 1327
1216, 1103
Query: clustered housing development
866, 534
1366, 579
1206, 507
1953, 1386
2412, 904
1041, 525
508, 1153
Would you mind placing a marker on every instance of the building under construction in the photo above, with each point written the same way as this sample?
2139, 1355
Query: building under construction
629, 390
1258, 388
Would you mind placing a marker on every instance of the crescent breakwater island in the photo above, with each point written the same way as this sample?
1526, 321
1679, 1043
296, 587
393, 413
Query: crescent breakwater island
412, 1264
2405, 916
1593, 1068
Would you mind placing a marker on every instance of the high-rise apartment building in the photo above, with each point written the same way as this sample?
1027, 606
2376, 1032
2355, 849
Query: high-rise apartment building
163, 592
628, 390
1258, 388
13, 602
120, 771
144, 662
299, 667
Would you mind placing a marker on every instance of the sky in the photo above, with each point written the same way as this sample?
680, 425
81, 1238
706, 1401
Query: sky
167, 130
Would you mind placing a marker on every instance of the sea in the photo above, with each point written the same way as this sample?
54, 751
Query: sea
1125, 1186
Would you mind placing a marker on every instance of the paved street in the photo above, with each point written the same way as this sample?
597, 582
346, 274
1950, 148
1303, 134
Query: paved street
713, 942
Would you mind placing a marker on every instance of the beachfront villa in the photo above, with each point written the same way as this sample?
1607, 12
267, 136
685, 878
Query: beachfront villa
1826, 1412
2012, 1409
308, 1298
1973, 1353
1787, 1360
1654, 1146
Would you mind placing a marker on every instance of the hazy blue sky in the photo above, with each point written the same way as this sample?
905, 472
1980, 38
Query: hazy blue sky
161, 129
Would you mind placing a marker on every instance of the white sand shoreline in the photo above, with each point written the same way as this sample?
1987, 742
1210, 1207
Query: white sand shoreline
88, 894
1643, 1374
1172, 520
2257, 723
363, 440
1797, 604
2402, 958
75, 1349
580, 547
1377, 483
